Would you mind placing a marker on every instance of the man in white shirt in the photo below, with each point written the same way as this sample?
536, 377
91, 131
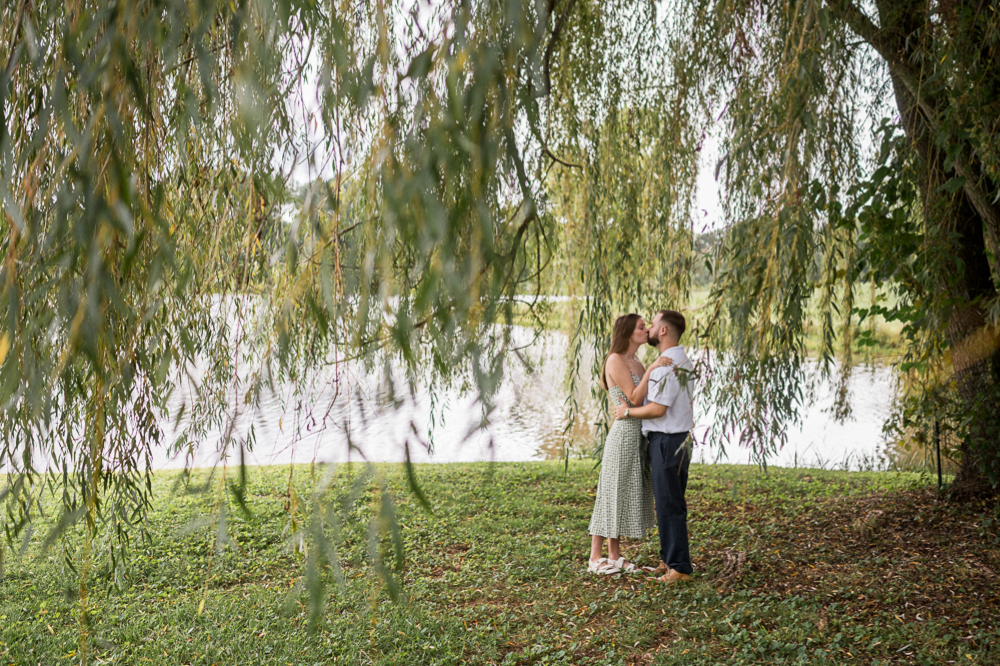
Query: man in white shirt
667, 418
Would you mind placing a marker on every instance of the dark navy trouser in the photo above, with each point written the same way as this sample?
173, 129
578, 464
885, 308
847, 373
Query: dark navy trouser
669, 460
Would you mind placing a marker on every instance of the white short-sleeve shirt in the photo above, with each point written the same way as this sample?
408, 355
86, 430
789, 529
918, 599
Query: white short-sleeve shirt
673, 390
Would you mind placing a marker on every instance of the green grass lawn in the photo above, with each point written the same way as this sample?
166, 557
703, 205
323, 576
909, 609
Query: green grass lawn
793, 566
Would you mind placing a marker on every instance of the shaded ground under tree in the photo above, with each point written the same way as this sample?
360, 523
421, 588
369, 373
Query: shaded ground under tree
794, 566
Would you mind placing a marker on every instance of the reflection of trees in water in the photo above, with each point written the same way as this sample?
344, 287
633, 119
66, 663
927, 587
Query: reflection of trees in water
539, 406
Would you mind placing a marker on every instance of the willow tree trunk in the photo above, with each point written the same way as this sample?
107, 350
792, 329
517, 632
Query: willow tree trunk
959, 220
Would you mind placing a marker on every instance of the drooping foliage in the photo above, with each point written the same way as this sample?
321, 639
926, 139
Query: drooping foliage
153, 236
456, 158
858, 169
859, 151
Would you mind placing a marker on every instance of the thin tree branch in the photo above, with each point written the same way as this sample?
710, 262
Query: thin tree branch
546, 71
894, 55
884, 45
552, 156
13, 39
556, 33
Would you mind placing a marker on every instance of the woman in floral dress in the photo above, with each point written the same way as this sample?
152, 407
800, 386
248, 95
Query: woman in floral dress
624, 502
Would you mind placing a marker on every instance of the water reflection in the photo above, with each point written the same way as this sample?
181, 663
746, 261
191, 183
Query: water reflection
820, 440
356, 423
527, 422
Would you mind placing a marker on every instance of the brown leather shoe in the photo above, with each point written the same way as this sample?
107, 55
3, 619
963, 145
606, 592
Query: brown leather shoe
658, 571
674, 577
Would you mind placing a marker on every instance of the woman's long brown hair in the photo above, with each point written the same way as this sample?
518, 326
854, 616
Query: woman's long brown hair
620, 336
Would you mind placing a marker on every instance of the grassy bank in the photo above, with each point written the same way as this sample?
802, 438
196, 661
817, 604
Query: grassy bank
796, 566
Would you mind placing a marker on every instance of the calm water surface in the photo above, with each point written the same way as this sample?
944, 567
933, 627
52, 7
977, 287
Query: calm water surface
527, 423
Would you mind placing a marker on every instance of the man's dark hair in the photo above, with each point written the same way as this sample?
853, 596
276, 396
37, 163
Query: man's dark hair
674, 320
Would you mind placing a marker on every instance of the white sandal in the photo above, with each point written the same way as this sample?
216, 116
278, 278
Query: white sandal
602, 567
624, 565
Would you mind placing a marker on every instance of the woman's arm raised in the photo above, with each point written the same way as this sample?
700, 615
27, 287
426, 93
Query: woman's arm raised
638, 394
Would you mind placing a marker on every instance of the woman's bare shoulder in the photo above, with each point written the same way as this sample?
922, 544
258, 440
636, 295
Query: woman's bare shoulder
615, 361
615, 369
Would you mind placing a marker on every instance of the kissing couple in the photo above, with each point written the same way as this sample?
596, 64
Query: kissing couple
652, 403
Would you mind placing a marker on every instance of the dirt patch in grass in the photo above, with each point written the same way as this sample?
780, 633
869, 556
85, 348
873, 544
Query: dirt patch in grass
899, 557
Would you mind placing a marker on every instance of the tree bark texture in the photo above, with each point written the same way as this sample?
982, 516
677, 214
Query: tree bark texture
960, 222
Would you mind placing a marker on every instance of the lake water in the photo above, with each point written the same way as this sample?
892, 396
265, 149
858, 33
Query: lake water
526, 424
